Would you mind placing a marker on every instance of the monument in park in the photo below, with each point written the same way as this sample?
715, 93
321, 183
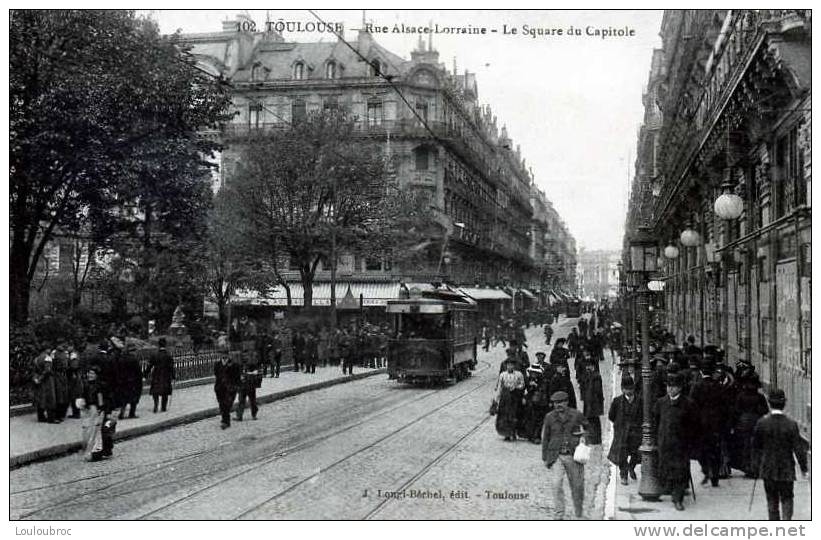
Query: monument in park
178, 328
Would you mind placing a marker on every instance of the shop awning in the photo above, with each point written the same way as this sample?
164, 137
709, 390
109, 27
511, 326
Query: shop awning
526, 293
373, 294
485, 294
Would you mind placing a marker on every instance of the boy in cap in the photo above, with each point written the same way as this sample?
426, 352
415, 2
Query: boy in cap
561, 433
776, 439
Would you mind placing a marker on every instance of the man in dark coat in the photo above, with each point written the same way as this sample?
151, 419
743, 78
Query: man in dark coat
277, 348
310, 351
707, 395
582, 327
675, 420
131, 380
573, 342
596, 345
298, 344
262, 345
593, 396
250, 380
161, 370
626, 415
776, 439
347, 349
227, 379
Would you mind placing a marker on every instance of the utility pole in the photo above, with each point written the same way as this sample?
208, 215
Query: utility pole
333, 251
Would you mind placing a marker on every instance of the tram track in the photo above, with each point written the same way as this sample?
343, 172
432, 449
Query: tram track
371, 445
424, 470
75, 498
110, 489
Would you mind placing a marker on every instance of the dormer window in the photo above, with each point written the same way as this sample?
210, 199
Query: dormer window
330, 70
299, 71
376, 68
256, 73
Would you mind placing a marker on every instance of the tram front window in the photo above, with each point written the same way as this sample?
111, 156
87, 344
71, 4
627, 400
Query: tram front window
418, 326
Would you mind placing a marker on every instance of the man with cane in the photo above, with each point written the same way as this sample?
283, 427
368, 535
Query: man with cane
776, 439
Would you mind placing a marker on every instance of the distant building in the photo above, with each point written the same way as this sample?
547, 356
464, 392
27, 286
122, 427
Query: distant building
599, 273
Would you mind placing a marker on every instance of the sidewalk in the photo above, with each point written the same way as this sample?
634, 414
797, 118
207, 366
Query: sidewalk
31, 441
728, 502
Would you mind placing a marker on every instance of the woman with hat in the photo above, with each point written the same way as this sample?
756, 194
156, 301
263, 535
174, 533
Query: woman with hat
535, 406
559, 354
509, 395
560, 381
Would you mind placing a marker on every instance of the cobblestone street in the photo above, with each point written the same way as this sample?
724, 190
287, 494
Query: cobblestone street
361, 446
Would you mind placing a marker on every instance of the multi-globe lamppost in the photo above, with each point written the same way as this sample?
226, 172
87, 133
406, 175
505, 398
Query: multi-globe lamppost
643, 262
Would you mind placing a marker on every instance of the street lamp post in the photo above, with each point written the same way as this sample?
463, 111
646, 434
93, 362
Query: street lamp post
643, 261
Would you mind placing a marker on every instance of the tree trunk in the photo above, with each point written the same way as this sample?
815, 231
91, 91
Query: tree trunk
221, 310
307, 278
19, 283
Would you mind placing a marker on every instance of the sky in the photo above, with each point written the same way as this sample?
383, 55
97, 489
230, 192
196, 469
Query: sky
573, 102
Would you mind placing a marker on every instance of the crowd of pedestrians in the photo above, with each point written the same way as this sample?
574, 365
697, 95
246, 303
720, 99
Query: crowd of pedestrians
702, 409
99, 385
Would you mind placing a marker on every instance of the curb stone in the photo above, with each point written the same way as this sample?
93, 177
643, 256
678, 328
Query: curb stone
130, 433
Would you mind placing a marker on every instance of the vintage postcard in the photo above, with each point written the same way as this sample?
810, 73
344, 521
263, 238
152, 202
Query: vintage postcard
410, 265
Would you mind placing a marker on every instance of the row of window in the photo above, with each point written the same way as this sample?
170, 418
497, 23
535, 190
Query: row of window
372, 264
333, 70
374, 113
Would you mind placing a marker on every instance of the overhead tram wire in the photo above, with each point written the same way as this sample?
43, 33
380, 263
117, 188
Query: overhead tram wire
396, 89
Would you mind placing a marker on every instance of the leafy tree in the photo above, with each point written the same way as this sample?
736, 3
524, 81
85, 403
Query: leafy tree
228, 260
104, 115
303, 189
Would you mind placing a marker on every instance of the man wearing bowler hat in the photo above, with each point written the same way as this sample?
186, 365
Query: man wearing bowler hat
675, 421
561, 431
626, 415
776, 439
707, 396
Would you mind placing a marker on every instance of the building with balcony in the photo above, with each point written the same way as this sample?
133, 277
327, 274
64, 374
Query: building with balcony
444, 143
728, 106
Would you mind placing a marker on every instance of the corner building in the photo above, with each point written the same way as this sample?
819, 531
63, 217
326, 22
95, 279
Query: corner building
468, 166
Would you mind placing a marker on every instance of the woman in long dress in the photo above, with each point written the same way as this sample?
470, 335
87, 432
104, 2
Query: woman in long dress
93, 415
509, 395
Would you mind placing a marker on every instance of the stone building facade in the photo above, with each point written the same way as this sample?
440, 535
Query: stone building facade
460, 155
728, 107
599, 273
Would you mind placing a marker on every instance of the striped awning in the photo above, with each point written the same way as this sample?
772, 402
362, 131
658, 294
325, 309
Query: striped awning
526, 293
373, 294
478, 293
